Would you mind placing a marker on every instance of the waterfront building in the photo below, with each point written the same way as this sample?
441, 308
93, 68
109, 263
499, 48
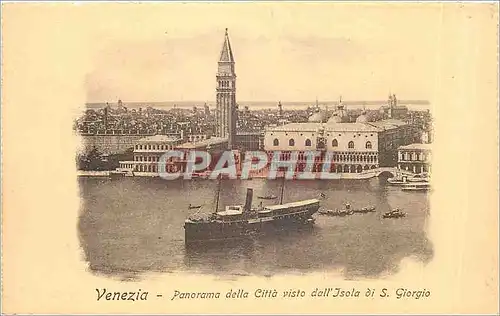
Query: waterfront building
415, 158
215, 146
393, 134
147, 153
354, 146
226, 109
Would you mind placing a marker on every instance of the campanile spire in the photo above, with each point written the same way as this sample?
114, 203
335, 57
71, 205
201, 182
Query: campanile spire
226, 93
226, 54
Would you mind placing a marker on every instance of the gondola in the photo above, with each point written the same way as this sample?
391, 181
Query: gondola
396, 213
267, 197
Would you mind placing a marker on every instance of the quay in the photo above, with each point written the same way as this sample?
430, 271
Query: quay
367, 174
93, 174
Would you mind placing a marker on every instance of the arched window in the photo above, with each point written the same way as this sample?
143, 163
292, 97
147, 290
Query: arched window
291, 142
276, 142
368, 145
350, 145
335, 143
308, 142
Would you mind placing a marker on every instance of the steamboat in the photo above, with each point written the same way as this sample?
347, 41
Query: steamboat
245, 221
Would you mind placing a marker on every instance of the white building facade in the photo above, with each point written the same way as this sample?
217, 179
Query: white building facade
353, 146
415, 158
147, 153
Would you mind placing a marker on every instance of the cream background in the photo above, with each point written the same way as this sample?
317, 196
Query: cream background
48, 50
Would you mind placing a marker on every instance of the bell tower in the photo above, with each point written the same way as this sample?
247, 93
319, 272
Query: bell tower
227, 113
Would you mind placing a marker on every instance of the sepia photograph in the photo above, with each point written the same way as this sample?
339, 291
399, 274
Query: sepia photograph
232, 186
250, 157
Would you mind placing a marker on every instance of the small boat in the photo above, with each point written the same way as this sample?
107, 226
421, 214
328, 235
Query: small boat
345, 212
348, 210
267, 197
403, 179
396, 213
337, 212
364, 210
193, 206
417, 186
421, 177
399, 179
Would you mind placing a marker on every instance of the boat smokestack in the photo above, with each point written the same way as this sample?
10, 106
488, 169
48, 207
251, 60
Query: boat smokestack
248, 201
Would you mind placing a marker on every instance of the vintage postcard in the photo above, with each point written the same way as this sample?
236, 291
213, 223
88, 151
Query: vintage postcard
243, 158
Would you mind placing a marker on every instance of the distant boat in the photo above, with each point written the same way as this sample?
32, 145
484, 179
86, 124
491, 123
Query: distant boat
193, 206
268, 197
421, 177
363, 210
343, 212
417, 186
335, 212
396, 213
403, 179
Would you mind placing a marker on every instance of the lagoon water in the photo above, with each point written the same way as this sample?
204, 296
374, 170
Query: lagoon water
132, 226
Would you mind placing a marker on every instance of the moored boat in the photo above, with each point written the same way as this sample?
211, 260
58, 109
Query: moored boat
417, 186
397, 181
419, 178
404, 179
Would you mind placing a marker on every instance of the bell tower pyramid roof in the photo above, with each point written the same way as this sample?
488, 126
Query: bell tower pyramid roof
226, 54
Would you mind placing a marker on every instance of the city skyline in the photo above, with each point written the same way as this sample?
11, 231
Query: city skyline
361, 54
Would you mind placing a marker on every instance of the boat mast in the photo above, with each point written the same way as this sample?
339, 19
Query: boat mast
282, 190
217, 196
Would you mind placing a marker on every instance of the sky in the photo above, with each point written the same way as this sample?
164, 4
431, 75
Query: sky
289, 52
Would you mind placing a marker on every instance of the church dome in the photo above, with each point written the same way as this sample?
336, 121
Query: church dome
335, 119
362, 119
317, 117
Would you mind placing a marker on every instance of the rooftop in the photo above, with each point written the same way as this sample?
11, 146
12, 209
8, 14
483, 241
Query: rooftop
243, 133
387, 124
159, 138
417, 147
396, 107
336, 127
203, 143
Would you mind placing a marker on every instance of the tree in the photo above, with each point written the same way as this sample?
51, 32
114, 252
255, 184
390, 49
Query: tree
91, 160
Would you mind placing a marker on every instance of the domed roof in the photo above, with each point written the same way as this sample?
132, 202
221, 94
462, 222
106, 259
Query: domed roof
318, 116
335, 119
362, 119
